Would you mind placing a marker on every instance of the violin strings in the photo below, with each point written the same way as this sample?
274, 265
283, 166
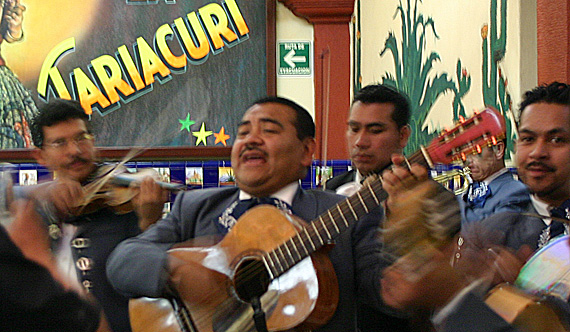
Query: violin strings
94, 187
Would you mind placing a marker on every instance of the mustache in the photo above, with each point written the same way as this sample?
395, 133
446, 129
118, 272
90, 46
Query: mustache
541, 165
252, 148
77, 159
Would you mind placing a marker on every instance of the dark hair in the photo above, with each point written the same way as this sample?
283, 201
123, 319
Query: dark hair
553, 93
379, 94
54, 112
303, 120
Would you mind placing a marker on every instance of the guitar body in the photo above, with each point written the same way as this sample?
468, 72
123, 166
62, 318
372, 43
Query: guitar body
302, 298
150, 315
527, 312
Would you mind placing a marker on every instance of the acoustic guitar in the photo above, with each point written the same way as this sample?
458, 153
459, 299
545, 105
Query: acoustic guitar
284, 259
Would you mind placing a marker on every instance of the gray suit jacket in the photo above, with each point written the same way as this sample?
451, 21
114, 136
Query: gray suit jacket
137, 267
507, 194
510, 229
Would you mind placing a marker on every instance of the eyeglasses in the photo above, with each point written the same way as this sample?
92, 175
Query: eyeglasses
79, 140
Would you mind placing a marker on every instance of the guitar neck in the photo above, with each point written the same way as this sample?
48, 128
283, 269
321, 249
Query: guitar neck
329, 225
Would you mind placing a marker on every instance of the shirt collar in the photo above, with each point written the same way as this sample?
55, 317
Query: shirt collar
358, 177
495, 175
286, 194
541, 207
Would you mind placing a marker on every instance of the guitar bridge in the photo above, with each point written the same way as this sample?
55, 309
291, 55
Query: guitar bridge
183, 315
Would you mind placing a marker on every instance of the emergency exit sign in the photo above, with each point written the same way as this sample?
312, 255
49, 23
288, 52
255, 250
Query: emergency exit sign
294, 58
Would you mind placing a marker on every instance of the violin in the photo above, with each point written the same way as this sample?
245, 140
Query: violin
114, 187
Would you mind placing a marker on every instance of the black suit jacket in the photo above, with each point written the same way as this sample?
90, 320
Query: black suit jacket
473, 315
31, 300
370, 319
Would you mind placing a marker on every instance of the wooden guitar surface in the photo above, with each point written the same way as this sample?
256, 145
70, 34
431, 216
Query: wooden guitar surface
527, 312
304, 297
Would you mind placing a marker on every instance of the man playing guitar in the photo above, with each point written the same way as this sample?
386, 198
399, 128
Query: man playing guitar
543, 157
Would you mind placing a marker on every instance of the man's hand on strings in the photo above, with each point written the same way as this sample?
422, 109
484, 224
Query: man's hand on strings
401, 178
149, 202
63, 195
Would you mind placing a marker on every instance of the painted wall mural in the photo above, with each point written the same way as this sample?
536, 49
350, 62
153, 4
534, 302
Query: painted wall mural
494, 47
417, 63
414, 73
148, 72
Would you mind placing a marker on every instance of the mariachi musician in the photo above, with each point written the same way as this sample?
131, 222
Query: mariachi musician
543, 156
272, 152
77, 207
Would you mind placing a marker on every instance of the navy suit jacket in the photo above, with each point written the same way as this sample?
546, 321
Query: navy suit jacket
137, 266
507, 194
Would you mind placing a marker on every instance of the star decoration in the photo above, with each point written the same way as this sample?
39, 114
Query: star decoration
221, 137
202, 134
186, 123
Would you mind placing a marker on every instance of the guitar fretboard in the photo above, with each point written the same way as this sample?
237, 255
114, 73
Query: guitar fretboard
329, 225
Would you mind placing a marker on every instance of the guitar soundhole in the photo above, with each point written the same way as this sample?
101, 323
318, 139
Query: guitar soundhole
251, 279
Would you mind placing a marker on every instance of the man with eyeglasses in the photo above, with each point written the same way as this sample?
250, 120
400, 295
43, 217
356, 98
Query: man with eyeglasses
65, 145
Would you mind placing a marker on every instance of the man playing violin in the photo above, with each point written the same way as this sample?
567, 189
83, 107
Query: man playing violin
65, 145
272, 152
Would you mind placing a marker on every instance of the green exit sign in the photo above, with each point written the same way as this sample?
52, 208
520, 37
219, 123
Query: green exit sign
295, 58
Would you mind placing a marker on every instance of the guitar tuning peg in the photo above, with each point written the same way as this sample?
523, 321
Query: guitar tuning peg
494, 140
478, 147
463, 157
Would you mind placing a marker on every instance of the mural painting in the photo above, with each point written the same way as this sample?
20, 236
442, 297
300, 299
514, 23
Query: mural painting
415, 72
16, 103
149, 73
415, 75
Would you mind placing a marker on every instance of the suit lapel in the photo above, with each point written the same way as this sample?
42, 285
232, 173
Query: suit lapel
305, 205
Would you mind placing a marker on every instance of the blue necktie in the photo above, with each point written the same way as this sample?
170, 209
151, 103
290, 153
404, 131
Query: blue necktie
230, 216
478, 193
557, 227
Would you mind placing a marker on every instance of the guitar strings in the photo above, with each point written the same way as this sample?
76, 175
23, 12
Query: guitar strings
368, 201
250, 272
313, 229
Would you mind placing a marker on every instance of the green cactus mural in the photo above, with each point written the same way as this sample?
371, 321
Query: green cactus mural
414, 76
495, 92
